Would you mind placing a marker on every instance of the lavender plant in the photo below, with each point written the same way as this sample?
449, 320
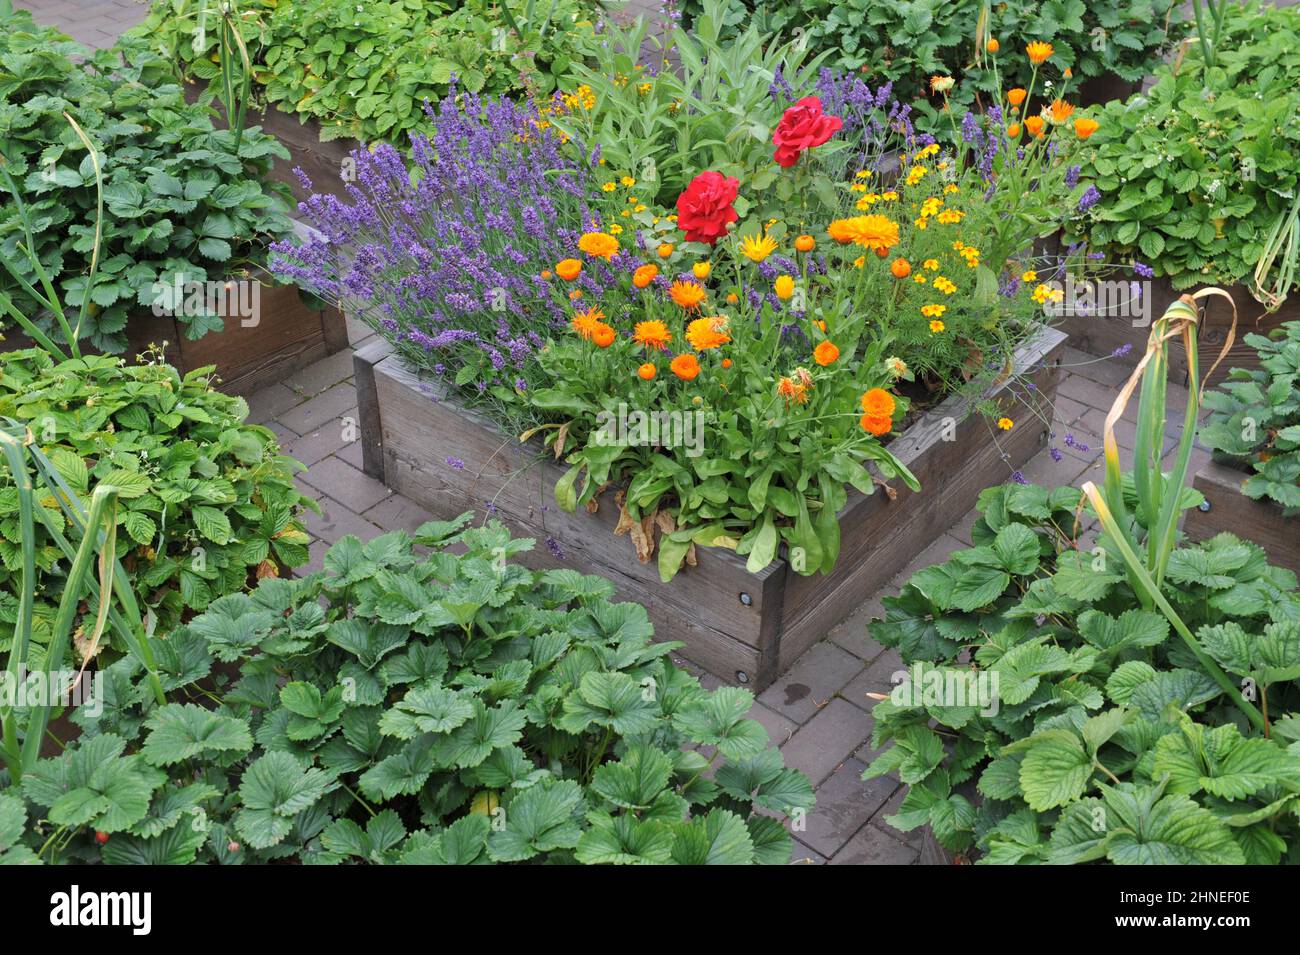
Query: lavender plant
445, 253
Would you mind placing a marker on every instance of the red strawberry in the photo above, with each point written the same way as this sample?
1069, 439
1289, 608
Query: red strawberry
101, 837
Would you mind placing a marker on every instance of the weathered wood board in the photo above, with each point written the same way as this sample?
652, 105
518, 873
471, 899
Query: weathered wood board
744, 627
1230, 510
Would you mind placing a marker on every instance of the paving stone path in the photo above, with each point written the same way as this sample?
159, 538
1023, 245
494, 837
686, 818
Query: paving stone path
819, 712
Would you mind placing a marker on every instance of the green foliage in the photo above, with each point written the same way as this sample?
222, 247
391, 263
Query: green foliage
1255, 419
1196, 171
905, 42
1098, 735
181, 202
365, 70
443, 709
206, 502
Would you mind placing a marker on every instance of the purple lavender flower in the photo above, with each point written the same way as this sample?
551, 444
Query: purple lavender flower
554, 547
456, 464
1146, 271
1056, 454
1091, 196
1072, 176
1122, 350
1019, 477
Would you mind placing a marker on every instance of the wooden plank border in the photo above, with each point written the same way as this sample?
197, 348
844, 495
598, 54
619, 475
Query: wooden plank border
1227, 509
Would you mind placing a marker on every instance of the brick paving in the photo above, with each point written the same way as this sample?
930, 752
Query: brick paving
818, 712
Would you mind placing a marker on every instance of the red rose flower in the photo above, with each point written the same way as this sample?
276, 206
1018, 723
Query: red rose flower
802, 126
704, 210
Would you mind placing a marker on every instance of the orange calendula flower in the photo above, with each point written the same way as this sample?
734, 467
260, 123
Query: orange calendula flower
1013, 131
644, 275
805, 243
687, 295
568, 269
726, 363
665, 249
794, 390
705, 334
603, 335
1035, 125
941, 84
1039, 52
783, 286
878, 425
685, 367
825, 354
1061, 111
1085, 127
878, 402
901, 268
732, 298
586, 323
701, 270
874, 232
546, 274
1016, 96
652, 334
646, 371
993, 45
599, 245
575, 294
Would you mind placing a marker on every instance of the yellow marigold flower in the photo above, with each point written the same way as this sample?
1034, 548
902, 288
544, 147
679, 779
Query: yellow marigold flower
858, 187
1029, 276
615, 229
950, 216
687, 295
936, 326
944, 285
784, 287
928, 151
919, 279
933, 311
586, 323
599, 245
701, 270
1038, 52
756, 248
890, 196
875, 232
628, 181
652, 334
705, 334
915, 175
860, 261
1005, 424
952, 187
609, 186
639, 207
862, 174
930, 265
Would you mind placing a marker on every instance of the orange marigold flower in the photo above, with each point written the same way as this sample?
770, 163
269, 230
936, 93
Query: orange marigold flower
665, 249
1016, 96
705, 334
879, 425
586, 323
1085, 127
1013, 131
603, 335
805, 243
599, 245
783, 286
685, 367
646, 371
687, 295
901, 268
568, 269
875, 232
1061, 111
652, 334
726, 363
1039, 52
1034, 124
878, 403
645, 275
825, 354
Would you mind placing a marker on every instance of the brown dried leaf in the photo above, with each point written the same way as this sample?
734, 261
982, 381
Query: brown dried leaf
643, 538
560, 437
267, 568
690, 556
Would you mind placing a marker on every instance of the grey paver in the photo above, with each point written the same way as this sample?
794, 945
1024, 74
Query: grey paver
872, 846
811, 681
342, 481
844, 805
827, 739
336, 521
320, 410
397, 513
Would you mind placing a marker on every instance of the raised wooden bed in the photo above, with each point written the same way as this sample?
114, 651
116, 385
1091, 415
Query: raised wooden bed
741, 626
1227, 509
1103, 335
289, 335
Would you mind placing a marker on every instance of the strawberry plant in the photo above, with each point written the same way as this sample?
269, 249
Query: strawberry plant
444, 708
207, 503
187, 204
1255, 419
